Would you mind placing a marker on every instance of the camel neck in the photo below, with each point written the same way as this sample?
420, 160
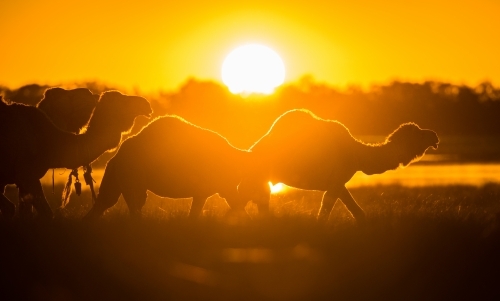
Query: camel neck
376, 159
72, 151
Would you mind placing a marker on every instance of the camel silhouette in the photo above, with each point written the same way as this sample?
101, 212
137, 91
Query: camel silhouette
172, 158
306, 152
33, 144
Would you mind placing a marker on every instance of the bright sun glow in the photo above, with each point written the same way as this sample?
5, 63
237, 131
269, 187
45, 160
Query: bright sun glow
276, 188
253, 68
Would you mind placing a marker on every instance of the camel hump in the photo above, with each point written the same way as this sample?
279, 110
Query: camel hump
302, 127
69, 110
179, 129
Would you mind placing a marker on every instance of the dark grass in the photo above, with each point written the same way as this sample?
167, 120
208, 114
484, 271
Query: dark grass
430, 243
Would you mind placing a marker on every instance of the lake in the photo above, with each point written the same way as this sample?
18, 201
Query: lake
459, 160
414, 175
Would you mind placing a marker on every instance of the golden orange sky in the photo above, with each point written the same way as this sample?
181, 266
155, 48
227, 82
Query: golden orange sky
154, 45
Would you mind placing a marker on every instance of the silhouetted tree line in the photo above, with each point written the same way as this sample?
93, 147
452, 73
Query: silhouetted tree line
446, 108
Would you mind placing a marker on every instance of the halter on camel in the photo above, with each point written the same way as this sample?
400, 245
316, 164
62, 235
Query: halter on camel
87, 176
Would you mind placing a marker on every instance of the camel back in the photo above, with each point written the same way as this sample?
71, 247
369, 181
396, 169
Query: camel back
173, 138
299, 129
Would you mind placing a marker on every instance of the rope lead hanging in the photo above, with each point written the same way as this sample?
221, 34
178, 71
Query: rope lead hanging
87, 176
67, 187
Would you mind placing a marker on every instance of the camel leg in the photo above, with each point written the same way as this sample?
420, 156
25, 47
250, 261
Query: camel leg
135, 197
31, 195
7, 208
257, 191
109, 191
25, 202
40, 202
233, 199
262, 199
25, 207
352, 206
329, 199
197, 206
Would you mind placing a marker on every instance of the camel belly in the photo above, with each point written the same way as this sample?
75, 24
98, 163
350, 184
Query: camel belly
310, 177
171, 180
304, 174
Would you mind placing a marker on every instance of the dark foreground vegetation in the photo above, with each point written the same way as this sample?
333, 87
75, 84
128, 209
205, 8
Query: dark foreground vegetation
430, 243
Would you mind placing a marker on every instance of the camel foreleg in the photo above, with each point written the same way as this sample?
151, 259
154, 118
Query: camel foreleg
197, 206
257, 191
262, 199
31, 195
236, 203
109, 191
353, 207
330, 198
40, 202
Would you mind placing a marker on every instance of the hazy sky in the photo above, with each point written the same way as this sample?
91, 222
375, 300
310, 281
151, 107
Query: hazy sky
159, 44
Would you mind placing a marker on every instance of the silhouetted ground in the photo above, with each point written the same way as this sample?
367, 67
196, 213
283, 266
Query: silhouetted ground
430, 243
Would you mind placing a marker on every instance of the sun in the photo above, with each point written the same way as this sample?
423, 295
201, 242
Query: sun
253, 68
276, 188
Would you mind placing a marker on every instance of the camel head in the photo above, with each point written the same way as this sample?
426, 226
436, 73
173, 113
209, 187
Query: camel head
118, 111
69, 110
410, 142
